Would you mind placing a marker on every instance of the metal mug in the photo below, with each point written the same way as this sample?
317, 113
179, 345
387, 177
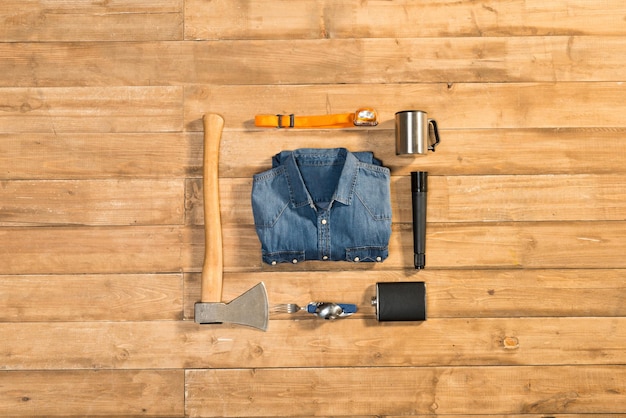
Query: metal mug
413, 133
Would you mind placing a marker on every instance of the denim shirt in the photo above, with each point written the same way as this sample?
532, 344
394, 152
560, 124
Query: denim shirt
323, 204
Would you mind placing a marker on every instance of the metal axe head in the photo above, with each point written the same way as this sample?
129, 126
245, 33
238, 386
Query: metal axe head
250, 309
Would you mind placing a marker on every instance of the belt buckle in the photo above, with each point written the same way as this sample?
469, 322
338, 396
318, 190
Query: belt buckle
292, 121
366, 116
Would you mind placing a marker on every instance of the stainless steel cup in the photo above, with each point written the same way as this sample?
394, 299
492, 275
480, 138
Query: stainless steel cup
413, 133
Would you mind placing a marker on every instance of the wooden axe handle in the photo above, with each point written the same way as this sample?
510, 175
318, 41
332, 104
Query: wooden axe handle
212, 269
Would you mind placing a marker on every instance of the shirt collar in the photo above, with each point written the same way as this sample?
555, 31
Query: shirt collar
298, 190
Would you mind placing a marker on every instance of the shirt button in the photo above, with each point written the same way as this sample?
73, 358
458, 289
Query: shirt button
357, 259
324, 221
274, 262
325, 257
379, 258
294, 261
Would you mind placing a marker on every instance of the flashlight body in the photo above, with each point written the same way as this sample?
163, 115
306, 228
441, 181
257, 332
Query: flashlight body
419, 181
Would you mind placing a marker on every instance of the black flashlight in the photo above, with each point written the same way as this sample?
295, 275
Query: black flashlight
419, 181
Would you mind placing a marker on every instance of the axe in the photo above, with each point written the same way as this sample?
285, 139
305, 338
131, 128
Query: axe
251, 308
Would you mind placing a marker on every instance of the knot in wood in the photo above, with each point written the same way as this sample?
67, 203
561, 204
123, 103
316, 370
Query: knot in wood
510, 343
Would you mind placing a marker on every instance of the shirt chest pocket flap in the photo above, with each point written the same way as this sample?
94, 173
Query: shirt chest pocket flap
373, 191
270, 198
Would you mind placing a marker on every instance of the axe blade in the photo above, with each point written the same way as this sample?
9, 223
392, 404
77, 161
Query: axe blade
250, 309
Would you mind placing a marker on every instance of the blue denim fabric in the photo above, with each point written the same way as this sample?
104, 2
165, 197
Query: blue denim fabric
323, 204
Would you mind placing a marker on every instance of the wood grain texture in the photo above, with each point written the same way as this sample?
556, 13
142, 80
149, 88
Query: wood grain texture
314, 343
71, 250
328, 61
102, 234
91, 297
476, 293
99, 156
178, 155
470, 198
467, 151
306, 19
213, 260
454, 245
453, 105
406, 390
69, 20
530, 415
92, 202
84, 109
84, 393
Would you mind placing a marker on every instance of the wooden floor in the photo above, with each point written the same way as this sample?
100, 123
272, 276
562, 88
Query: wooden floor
101, 224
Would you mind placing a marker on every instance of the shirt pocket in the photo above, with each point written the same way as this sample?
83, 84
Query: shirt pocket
270, 197
373, 190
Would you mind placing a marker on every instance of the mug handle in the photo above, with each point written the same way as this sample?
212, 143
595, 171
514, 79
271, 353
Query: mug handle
432, 145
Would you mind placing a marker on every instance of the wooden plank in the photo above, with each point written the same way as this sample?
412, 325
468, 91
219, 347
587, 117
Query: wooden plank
348, 343
74, 250
86, 109
96, 64
61, 250
88, 297
595, 244
450, 293
406, 390
461, 151
584, 415
518, 198
453, 105
512, 416
92, 202
528, 245
92, 393
424, 60
306, 19
177, 155
521, 245
45, 156
465, 199
71, 20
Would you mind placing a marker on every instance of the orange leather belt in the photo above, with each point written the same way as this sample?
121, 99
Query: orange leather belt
362, 117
